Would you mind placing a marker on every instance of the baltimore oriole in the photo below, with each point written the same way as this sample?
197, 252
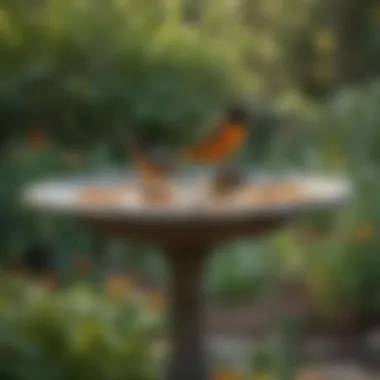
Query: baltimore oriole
223, 142
217, 148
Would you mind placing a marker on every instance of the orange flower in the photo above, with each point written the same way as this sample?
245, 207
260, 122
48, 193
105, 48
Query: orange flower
15, 152
49, 281
228, 375
18, 272
311, 375
312, 236
71, 157
37, 139
364, 232
155, 300
82, 265
118, 286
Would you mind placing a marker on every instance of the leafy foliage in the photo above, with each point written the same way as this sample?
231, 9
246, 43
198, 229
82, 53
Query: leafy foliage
240, 272
93, 74
346, 268
89, 70
75, 334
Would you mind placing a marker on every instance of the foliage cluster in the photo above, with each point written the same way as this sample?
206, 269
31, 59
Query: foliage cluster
90, 72
73, 334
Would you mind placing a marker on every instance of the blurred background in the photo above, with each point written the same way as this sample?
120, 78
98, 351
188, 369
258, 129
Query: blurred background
79, 77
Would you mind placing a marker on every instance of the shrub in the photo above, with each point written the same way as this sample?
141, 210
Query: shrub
239, 273
86, 72
73, 335
343, 268
90, 71
349, 132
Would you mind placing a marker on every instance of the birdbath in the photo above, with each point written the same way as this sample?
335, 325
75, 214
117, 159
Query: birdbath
187, 224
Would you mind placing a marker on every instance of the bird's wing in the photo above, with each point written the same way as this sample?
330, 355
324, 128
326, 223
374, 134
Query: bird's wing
219, 145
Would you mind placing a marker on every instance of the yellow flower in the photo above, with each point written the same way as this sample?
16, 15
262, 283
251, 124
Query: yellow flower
264, 376
375, 15
364, 232
324, 41
323, 70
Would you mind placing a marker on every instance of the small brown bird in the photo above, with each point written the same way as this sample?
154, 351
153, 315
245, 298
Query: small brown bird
149, 159
153, 166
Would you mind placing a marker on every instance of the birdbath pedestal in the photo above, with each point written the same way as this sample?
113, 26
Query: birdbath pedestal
187, 227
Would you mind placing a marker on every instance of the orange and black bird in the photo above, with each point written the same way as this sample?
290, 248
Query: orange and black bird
216, 149
224, 141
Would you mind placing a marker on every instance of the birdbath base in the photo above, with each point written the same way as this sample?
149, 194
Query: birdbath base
186, 264
186, 248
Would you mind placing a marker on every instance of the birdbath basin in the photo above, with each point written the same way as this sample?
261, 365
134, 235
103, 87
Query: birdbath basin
187, 223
